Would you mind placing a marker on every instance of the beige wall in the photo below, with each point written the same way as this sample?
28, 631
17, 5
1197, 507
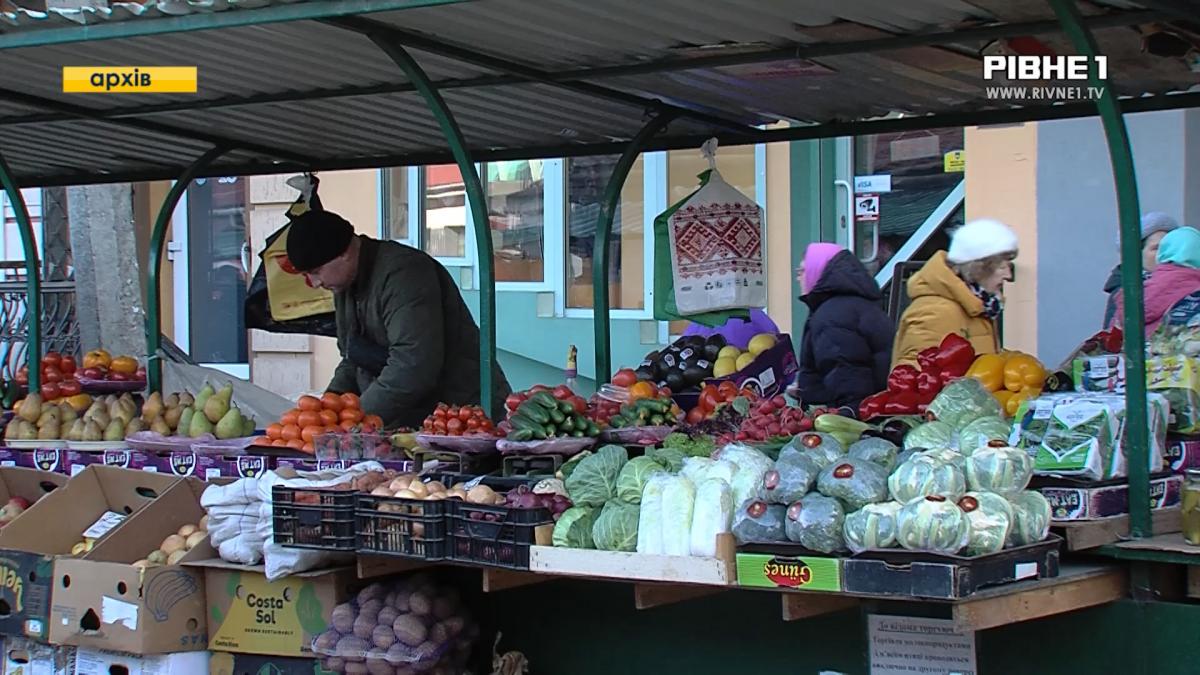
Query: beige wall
1002, 184
779, 235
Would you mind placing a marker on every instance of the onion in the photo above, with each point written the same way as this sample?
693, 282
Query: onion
481, 494
382, 491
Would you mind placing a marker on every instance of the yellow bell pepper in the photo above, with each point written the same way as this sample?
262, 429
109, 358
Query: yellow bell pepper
1003, 396
1016, 398
989, 370
1023, 371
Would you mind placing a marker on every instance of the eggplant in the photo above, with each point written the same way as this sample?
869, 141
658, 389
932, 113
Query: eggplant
693, 375
676, 381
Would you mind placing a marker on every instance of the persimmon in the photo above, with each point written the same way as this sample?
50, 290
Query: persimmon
351, 400
279, 443
275, 431
308, 447
352, 415
307, 402
290, 417
329, 416
332, 401
296, 444
309, 418
347, 425
290, 432
374, 420
307, 434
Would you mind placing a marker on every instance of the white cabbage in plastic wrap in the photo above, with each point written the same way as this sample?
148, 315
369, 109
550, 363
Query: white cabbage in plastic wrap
878, 450
922, 476
990, 517
794, 476
999, 468
931, 436
857, 482
712, 515
815, 522
678, 504
757, 522
933, 524
963, 401
1031, 518
977, 434
872, 527
751, 465
823, 448
947, 455
695, 469
650, 520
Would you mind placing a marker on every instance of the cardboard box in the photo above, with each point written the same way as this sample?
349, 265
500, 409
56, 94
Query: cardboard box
29, 547
28, 483
99, 662
248, 614
768, 374
296, 464
26, 657
1183, 453
223, 663
101, 601
46, 459
9, 456
1078, 500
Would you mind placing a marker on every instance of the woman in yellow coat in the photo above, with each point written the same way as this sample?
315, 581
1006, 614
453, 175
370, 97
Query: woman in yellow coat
959, 291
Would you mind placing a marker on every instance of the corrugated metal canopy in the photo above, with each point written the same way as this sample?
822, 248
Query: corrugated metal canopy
308, 89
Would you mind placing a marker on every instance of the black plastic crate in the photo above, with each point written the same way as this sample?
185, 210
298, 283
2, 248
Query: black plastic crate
408, 528
498, 536
319, 518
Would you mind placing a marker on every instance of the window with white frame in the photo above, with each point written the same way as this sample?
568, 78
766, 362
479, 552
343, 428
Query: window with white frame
587, 178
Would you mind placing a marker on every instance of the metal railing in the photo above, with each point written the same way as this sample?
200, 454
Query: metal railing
60, 327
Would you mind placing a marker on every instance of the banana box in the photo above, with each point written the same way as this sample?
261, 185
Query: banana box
130, 592
65, 522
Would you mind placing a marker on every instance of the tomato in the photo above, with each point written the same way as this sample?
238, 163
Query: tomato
641, 390
465, 414
454, 427
67, 365
538, 387
51, 391
710, 399
52, 374
70, 387
695, 415
486, 425
440, 413
513, 401
562, 392
624, 377
727, 389
579, 403
439, 426
51, 360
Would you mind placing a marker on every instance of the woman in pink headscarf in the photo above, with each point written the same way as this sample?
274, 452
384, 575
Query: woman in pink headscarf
846, 351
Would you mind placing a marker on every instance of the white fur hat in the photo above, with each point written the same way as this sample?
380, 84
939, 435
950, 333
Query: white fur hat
980, 239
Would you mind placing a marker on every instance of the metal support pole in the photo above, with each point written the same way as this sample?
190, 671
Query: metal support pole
479, 213
604, 222
1121, 155
33, 280
157, 242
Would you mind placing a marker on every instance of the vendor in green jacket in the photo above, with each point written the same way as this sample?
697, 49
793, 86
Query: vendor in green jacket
407, 339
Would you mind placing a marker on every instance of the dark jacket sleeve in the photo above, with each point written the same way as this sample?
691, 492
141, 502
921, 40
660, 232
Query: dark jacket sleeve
412, 317
345, 377
847, 362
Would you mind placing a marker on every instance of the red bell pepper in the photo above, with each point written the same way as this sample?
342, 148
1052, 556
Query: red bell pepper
872, 406
929, 385
927, 358
902, 403
955, 355
903, 378
1114, 341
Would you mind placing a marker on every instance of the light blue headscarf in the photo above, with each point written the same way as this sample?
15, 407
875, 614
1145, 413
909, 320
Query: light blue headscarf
1181, 247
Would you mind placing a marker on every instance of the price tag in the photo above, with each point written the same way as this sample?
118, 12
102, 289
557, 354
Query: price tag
105, 523
1098, 368
1043, 410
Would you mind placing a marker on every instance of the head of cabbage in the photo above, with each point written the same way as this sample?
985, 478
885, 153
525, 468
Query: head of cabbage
594, 480
616, 529
633, 478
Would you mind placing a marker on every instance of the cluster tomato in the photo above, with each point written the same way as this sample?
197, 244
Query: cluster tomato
713, 396
452, 420
772, 418
313, 416
57, 377
562, 393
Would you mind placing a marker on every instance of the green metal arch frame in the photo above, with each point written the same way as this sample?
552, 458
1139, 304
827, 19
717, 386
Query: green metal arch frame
601, 310
1125, 179
157, 241
33, 280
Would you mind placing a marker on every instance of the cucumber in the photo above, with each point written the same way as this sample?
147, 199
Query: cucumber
521, 422
566, 407
577, 434
534, 412
521, 435
557, 417
568, 424
545, 399
593, 429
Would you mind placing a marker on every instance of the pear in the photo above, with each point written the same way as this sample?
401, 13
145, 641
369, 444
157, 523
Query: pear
171, 416
75, 433
28, 431
205, 393
12, 428
218, 404
199, 426
92, 431
68, 414
153, 407
31, 408
135, 425
171, 401
185, 422
115, 430
230, 425
117, 412
186, 399
50, 413
248, 426
102, 419
98, 405
51, 431
160, 427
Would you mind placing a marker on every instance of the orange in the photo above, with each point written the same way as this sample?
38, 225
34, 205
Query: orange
329, 416
290, 417
332, 429
275, 432
296, 444
374, 420
290, 432
308, 418
309, 403
347, 426
308, 433
352, 415
640, 390
280, 443
350, 400
307, 447
332, 401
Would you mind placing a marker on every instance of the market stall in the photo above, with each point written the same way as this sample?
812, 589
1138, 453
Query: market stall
522, 531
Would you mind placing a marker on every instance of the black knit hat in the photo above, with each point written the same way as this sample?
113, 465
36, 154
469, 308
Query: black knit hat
316, 237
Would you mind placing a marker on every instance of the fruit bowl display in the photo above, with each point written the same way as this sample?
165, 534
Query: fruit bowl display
110, 386
565, 446
471, 444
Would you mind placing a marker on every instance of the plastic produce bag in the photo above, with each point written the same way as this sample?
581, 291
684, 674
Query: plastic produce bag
815, 522
824, 448
574, 527
978, 433
999, 468
856, 482
695, 469
931, 436
963, 401
946, 455
923, 476
990, 517
757, 522
1080, 439
751, 465
934, 524
594, 480
878, 450
678, 504
1178, 379
616, 528
1031, 518
871, 527
650, 533
633, 478
794, 476
711, 515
